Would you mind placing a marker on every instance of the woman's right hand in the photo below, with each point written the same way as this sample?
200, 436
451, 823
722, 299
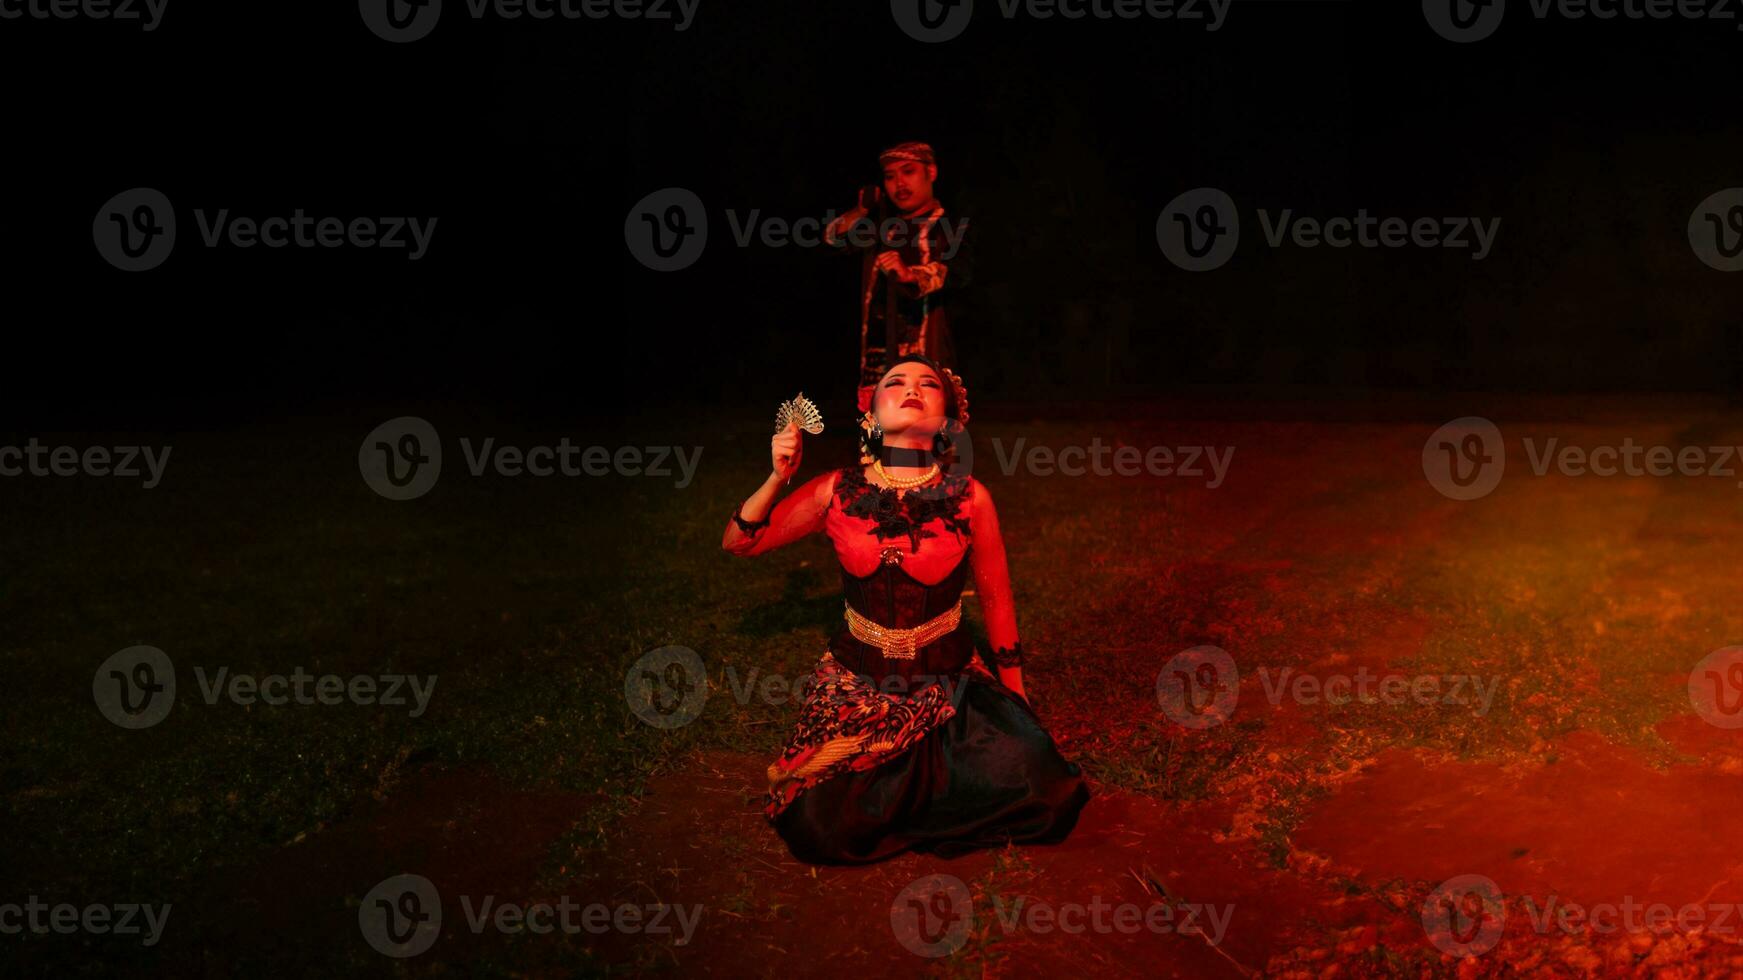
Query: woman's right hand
785, 451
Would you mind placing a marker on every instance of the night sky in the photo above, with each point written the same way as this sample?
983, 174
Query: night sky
1061, 141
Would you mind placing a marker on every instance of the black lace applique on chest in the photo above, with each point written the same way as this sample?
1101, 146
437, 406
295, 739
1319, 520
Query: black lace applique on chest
895, 515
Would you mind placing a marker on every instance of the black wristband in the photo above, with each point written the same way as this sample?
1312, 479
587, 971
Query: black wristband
1008, 656
748, 527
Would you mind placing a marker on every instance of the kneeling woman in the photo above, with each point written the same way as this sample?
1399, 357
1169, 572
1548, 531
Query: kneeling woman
905, 741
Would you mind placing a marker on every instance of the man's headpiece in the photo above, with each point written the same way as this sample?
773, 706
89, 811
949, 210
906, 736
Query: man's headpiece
917, 152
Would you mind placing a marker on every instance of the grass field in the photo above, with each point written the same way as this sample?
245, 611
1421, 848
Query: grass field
1579, 603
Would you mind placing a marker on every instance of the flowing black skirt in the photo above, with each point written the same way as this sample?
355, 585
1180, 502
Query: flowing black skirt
988, 776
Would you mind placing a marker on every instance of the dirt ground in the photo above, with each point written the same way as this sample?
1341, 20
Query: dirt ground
1300, 835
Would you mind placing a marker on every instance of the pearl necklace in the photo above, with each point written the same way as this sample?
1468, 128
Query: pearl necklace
903, 482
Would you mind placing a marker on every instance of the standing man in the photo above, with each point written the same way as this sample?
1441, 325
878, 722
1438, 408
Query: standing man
913, 264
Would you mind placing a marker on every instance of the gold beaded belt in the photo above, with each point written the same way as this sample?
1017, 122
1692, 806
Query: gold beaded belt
904, 643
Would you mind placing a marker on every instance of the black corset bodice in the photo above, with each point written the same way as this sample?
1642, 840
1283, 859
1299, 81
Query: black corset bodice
892, 597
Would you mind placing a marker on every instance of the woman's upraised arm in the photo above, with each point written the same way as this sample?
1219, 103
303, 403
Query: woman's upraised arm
797, 515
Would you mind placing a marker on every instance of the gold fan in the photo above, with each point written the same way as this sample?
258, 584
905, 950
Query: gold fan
801, 410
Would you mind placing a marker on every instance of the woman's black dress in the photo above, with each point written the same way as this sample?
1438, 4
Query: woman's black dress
931, 754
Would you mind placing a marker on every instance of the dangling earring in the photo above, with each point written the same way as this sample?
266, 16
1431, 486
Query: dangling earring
871, 432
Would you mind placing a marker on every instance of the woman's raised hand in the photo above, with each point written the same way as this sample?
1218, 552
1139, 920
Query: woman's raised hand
785, 450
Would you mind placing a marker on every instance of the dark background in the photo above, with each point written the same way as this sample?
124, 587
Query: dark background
530, 141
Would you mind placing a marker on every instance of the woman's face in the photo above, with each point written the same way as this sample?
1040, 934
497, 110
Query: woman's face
910, 399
